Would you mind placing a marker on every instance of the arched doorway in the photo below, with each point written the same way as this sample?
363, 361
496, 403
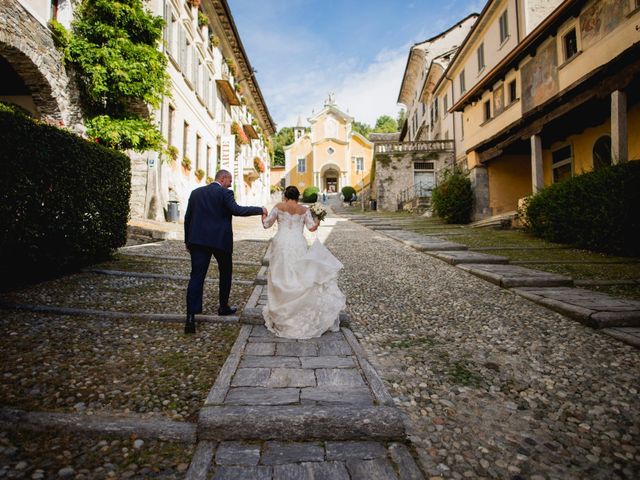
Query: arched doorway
31, 72
602, 152
330, 178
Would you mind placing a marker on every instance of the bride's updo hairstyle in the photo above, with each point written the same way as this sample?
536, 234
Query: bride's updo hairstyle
292, 193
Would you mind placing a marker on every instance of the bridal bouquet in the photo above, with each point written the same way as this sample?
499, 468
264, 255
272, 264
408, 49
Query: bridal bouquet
318, 211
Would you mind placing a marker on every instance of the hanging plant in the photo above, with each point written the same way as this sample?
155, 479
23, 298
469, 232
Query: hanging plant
203, 20
199, 174
214, 39
209, 180
194, 3
232, 65
238, 131
172, 153
186, 163
258, 164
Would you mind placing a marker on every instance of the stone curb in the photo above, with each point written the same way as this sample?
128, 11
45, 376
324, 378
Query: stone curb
223, 380
590, 317
122, 273
200, 462
466, 256
500, 279
373, 379
164, 317
626, 337
155, 428
300, 422
179, 259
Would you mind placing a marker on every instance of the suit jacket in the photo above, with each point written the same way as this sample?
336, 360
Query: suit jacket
207, 221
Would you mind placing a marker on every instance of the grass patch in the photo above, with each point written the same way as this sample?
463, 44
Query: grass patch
460, 374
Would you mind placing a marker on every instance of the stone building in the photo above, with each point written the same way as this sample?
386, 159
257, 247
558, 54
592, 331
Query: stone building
560, 97
331, 156
215, 118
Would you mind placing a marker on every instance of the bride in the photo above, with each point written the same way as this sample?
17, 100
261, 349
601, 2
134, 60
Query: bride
304, 300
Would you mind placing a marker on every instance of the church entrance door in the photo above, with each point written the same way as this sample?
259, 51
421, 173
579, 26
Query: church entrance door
331, 184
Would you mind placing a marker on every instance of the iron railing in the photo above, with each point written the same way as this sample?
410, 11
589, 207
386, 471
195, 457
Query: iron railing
420, 189
421, 146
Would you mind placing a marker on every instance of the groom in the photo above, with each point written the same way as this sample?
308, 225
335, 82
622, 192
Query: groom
207, 231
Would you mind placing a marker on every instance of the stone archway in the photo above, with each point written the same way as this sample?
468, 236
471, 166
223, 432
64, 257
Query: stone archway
330, 178
28, 51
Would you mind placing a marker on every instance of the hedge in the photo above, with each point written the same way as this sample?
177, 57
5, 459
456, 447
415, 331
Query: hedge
598, 210
452, 200
310, 194
64, 203
348, 192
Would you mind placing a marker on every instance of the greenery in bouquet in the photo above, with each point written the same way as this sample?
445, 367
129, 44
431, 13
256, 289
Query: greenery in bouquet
318, 211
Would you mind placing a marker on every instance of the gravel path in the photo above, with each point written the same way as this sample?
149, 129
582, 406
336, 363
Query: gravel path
48, 455
97, 366
495, 386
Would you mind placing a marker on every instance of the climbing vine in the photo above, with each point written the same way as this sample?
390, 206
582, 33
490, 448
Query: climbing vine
113, 47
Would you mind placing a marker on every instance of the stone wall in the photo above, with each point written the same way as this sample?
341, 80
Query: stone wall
27, 45
394, 173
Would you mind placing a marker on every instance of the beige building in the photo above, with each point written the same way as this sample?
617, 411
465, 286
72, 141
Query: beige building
557, 98
331, 156
215, 118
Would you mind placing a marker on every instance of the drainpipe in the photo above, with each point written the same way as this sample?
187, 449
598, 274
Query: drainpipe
517, 21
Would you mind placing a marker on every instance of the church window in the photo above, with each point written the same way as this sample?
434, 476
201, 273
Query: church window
302, 167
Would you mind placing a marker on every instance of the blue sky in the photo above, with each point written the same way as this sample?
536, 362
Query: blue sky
303, 49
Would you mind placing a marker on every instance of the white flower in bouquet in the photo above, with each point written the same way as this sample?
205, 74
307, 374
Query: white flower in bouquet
318, 211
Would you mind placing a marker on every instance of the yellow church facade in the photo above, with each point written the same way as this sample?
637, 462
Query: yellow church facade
330, 156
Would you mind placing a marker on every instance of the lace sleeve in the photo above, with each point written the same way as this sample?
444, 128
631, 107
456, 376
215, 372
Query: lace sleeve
309, 221
271, 218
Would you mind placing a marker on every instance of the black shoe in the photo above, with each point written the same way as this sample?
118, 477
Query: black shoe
190, 324
227, 311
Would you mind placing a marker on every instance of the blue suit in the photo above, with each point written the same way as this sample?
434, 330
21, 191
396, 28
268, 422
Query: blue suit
208, 231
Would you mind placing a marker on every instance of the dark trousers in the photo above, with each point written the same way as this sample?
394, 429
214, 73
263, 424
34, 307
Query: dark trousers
200, 259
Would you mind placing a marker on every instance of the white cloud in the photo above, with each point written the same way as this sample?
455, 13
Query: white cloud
366, 91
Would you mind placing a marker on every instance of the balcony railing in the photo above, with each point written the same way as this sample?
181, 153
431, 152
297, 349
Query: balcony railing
421, 146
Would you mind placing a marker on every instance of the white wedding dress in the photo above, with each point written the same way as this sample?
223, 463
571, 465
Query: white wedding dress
304, 300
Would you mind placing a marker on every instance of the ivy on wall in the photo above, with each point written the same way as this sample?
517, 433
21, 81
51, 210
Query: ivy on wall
113, 47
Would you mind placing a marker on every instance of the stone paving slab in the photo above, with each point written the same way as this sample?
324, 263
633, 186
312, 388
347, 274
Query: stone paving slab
511, 276
598, 310
467, 256
275, 460
630, 335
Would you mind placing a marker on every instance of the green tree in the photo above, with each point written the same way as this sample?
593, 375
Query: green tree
362, 128
114, 47
283, 138
385, 124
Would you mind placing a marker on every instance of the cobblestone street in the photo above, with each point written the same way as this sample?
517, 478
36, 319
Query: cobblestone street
494, 385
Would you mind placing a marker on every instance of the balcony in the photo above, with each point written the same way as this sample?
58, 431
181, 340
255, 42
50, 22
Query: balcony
226, 86
421, 146
250, 131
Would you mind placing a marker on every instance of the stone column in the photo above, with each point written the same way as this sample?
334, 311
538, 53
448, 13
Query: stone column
537, 177
480, 182
619, 142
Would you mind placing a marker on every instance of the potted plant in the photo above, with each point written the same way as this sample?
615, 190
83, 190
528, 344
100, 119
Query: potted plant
199, 174
203, 20
258, 164
194, 3
238, 131
186, 163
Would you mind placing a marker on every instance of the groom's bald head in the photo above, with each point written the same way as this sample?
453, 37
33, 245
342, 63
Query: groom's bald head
221, 174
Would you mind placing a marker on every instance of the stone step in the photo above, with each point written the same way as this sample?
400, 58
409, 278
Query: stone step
300, 422
465, 256
595, 309
511, 276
